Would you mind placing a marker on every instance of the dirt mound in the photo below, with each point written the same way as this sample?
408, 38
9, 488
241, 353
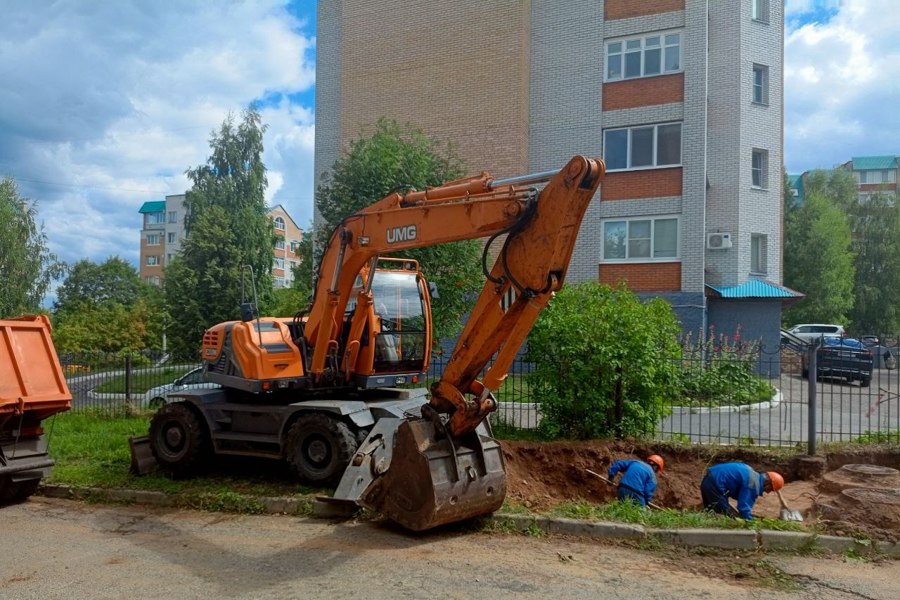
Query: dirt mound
854, 475
542, 475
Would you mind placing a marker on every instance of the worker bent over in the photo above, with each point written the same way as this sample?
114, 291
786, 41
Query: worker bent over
739, 481
638, 480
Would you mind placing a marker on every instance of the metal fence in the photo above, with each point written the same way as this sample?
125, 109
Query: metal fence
799, 412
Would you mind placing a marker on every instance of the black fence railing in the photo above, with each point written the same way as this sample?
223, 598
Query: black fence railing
756, 398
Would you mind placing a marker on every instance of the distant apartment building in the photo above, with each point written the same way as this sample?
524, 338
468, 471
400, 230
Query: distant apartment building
682, 98
164, 228
874, 174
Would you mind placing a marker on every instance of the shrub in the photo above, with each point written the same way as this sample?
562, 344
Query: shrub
719, 371
602, 362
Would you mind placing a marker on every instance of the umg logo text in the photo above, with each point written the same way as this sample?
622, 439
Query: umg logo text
407, 233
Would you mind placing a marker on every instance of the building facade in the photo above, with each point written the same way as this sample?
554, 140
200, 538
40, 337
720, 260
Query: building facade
682, 98
163, 230
874, 174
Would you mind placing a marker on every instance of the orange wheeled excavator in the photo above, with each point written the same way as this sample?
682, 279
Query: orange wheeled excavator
321, 389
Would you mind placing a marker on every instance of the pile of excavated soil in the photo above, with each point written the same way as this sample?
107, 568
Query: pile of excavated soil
542, 475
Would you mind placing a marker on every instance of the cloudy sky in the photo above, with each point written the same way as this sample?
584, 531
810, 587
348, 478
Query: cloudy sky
104, 105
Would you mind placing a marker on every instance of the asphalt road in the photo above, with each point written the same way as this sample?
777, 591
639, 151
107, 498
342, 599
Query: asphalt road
63, 549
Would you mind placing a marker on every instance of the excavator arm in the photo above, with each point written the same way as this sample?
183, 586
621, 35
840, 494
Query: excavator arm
443, 465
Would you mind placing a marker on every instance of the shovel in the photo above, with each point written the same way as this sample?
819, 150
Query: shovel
788, 513
650, 504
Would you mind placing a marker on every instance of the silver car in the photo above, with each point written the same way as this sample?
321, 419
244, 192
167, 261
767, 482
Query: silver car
157, 396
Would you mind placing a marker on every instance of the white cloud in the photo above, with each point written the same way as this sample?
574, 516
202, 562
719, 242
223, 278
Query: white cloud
104, 105
840, 84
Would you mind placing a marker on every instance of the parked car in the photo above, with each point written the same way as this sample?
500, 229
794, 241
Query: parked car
157, 396
809, 332
870, 340
842, 357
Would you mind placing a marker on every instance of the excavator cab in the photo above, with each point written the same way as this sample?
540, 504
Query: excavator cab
388, 321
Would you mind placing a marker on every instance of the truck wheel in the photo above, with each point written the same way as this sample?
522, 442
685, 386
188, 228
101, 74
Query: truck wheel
16, 491
865, 382
319, 448
156, 403
178, 440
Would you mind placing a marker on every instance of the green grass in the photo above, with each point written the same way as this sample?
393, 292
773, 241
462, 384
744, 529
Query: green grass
141, 381
628, 512
91, 450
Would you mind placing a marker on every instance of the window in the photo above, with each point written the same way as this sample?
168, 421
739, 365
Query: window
758, 251
279, 244
157, 218
759, 169
760, 84
279, 263
294, 247
643, 57
152, 261
173, 216
642, 147
760, 10
883, 176
279, 223
640, 239
153, 239
173, 237
169, 258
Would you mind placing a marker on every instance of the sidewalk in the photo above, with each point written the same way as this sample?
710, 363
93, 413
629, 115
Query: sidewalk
730, 539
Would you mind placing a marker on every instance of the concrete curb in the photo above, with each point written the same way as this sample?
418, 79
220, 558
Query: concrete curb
731, 539
703, 410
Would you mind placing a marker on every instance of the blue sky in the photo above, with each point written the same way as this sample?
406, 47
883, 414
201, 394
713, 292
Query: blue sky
104, 105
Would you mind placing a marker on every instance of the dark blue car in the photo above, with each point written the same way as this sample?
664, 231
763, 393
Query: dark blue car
843, 357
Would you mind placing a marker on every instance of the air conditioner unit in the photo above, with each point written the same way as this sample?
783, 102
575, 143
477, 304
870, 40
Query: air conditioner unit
718, 241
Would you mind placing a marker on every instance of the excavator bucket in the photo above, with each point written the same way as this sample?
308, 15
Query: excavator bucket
416, 475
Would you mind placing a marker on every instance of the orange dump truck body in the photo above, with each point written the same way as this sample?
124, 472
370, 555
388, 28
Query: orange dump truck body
32, 388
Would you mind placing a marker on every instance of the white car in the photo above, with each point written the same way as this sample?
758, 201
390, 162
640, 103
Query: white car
812, 332
156, 397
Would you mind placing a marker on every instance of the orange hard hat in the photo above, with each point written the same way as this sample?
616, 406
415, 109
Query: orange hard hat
657, 460
776, 479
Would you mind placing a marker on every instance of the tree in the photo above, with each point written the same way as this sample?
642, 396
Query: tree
397, 158
26, 264
818, 258
114, 281
227, 230
603, 362
876, 242
111, 293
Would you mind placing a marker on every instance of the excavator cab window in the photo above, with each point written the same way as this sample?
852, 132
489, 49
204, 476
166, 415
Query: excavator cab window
401, 321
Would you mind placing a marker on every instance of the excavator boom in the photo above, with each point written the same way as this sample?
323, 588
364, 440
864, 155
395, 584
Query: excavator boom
443, 465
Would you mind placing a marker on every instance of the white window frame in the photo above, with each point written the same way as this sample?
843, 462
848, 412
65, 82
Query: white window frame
152, 260
762, 169
761, 85
279, 263
759, 11
279, 244
628, 149
759, 249
157, 218
173, 216
153, 239
279, 223
172, 237
642, 39
641, 259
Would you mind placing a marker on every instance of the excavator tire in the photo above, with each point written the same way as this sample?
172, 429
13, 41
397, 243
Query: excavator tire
319, 448
12, 492
179, 440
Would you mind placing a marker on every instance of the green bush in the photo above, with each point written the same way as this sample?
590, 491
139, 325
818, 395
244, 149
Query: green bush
603, 362
719, 371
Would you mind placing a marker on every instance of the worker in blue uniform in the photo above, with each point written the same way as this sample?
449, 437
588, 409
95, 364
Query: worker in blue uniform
739, 481
638, 481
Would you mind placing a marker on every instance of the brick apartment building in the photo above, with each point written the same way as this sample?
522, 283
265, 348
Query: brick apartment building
163, 229
682, 98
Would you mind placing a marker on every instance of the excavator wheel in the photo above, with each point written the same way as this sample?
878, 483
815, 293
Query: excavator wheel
12, 492
319, 448
179, 440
